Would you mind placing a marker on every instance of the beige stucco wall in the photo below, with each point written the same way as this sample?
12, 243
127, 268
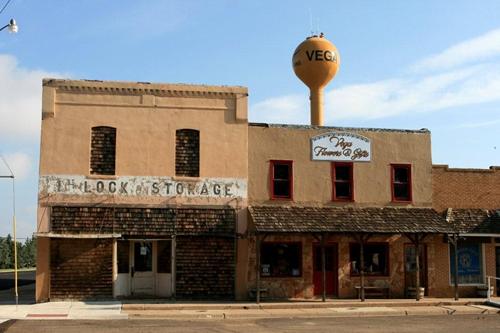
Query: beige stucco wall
312, 183
146, 117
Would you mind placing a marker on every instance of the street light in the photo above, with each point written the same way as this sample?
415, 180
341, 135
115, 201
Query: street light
13, 27
13, 216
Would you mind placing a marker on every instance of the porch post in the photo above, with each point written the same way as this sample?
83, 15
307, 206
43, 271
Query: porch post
323, 267
173, 268
417, 267
362, 268
455, 272
257, 267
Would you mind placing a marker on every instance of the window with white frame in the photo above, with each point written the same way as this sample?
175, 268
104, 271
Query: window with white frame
470, 263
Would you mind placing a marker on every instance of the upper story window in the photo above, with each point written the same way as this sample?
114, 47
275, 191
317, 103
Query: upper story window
103, 150
401, 182
187, 153
342, 181
281, 180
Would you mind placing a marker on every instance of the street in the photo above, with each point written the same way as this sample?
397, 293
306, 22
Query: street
26, 287
443, 323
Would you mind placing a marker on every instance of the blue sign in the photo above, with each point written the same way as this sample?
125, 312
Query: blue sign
469, 263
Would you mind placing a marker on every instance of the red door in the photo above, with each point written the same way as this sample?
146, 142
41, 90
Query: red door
331, 270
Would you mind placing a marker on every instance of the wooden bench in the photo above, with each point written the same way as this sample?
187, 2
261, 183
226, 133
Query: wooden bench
381, 291
252, 293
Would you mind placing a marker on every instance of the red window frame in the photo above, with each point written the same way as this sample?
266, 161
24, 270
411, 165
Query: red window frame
350, 181
272, 179
409, 182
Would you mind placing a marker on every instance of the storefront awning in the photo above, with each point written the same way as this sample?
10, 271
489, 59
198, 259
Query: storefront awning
58, 235
475, 222
386, 220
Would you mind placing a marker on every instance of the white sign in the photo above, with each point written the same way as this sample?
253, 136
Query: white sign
143, 186
340, 146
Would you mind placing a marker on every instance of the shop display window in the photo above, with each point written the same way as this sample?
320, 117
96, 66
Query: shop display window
281, 260
376, 257
470, 263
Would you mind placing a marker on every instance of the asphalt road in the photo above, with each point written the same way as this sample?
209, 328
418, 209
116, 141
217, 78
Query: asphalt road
428, 324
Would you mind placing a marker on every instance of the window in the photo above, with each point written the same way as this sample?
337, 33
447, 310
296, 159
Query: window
376, 257
401, 182
164, 257
281, 259
103, 150
470, 263
187, 153
123, 256
342, 181
281, 180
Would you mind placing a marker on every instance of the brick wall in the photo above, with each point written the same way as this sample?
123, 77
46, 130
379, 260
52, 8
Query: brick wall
81, 269
465, 188
187, 153
205, 268
103, 150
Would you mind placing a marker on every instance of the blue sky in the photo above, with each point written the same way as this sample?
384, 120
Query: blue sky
404, 64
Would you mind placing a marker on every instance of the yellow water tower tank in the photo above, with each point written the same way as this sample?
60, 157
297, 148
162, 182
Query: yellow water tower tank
315, 62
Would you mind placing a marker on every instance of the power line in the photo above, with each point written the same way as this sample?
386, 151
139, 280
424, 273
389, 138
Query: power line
5, 6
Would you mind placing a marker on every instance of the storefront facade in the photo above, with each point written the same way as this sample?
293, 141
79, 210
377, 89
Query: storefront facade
142, 191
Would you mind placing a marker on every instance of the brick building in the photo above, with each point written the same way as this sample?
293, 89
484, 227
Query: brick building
470, 199
163, 190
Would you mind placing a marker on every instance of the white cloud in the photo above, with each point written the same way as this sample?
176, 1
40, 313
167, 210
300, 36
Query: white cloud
479, 124
20, 100
480, 48
283, 109
19, 163
450, 87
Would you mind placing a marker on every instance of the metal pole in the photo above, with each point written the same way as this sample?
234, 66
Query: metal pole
14, 224
323, 268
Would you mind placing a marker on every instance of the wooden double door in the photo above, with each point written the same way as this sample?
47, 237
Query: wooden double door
411, 267
331, 270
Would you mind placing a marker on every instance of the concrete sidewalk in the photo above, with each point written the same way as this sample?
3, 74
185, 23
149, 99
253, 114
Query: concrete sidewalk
149, 309
64, 310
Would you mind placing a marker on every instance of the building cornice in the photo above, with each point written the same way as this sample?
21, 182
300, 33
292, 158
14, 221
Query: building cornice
145, 88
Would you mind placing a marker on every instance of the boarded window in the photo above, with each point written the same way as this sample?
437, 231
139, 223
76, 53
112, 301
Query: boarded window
123, 256
103, 150
187, 153
164, 259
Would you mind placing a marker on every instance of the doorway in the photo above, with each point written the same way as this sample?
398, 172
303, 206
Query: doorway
143, 280
331, 270
411, 267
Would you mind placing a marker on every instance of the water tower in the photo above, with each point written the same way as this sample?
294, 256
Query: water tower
315, 62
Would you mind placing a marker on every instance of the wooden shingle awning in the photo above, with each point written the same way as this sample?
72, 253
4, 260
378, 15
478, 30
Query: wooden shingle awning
385, 220
475, 222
